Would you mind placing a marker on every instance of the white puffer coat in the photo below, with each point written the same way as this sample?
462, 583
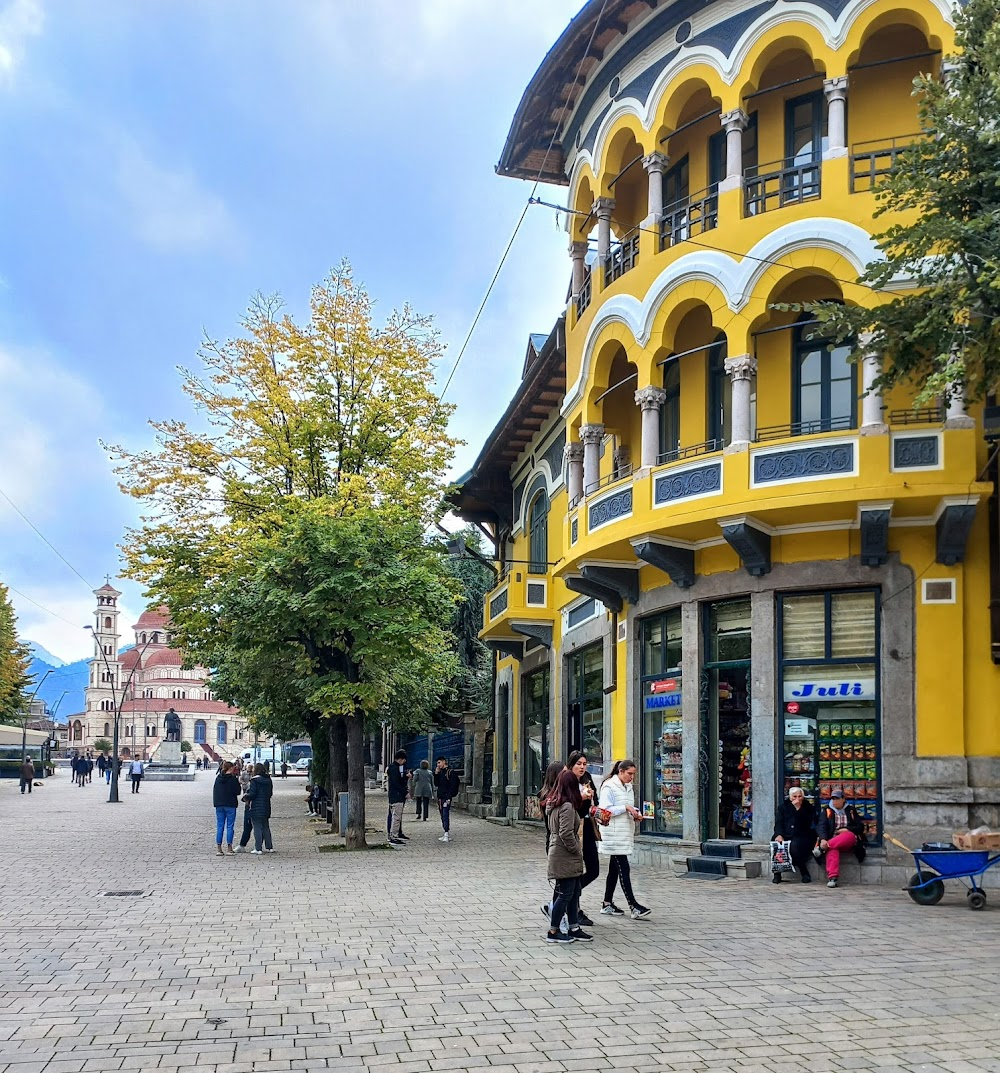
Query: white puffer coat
618, 838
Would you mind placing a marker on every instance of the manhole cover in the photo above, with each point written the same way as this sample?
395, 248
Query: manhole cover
124, 893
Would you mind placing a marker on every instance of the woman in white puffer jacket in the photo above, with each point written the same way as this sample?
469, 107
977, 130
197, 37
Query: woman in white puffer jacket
618, 838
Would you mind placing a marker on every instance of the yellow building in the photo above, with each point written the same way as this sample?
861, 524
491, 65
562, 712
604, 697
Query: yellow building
726, 555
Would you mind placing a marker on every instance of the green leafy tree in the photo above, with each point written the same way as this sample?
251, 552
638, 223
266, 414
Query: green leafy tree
14, 662
943, 241
335, 411
474, 681
186, 747
361, 603
102, 745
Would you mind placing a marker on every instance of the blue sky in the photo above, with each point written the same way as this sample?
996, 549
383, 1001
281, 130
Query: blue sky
164, 160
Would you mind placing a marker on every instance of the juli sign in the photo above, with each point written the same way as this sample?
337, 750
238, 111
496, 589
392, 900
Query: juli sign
830, 689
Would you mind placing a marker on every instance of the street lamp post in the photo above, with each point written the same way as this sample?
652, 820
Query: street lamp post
117, 700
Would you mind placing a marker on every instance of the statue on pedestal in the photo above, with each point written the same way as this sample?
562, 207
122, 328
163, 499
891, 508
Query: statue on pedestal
172, 726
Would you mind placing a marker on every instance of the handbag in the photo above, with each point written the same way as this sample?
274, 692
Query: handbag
595, 827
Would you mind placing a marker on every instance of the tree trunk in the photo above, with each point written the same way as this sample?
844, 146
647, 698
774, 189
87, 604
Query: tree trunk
356, 781
338, 765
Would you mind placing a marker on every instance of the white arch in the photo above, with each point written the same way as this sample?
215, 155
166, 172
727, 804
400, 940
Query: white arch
834, 31
736, 279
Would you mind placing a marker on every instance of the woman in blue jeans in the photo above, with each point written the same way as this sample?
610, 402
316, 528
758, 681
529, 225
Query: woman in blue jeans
226, 798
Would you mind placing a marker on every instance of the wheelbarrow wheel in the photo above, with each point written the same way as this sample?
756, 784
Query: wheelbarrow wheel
977, 900
928, 895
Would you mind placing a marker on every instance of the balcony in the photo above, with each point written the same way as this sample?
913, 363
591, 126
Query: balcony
518, 599
874, 160
586, 292
804, 428
623, 257
772, 186
688, 217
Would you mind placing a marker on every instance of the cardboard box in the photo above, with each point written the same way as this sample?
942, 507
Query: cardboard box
966, 840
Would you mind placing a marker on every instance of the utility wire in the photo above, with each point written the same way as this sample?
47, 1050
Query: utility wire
520, 221
52, 546
41, 607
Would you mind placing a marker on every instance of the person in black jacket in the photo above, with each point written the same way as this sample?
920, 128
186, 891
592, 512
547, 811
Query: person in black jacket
446, 782
397, 778
259, 796
226, 799
839, 828
796, 825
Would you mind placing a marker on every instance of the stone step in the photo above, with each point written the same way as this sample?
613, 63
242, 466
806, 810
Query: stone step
707, 865
720, 848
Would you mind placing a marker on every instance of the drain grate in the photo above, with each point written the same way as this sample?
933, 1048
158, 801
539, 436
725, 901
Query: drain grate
124, 893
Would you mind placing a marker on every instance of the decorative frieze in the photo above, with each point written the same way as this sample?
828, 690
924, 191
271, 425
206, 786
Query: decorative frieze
498, 604
609, 509
687, 484
916, 452
803, 463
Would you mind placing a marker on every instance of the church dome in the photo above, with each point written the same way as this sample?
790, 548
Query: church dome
166, 657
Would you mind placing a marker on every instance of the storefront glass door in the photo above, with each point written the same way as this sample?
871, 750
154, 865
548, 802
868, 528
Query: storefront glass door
536, 738
661, 761
726, 777
585, 713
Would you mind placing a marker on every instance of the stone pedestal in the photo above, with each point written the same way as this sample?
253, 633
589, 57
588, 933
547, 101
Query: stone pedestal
167, 765
169, 753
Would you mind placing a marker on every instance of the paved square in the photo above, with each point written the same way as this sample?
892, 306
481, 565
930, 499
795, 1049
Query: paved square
431, 958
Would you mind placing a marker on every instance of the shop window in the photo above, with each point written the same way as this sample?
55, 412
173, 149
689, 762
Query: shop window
670, 412
720, 393
829, 688
826, 384
662, 761
538, 529
585, 729
727, 792
536, 738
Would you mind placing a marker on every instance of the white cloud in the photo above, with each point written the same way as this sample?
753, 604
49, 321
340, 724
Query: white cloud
19, 20
168, 208
64, 637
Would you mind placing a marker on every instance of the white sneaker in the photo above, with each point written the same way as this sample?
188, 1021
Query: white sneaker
444, 838
269, 850
256, 852
240, 849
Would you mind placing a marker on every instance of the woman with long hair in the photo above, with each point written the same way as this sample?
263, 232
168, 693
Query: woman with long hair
548, 785
618, 838
565, 859
577, 763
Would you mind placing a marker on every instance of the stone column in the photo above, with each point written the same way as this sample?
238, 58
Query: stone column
741, 370
655, 165
578, 255
872, 422
573, 458
956, 415
734, 123
592, 437
603, 208
836, 96
649, 400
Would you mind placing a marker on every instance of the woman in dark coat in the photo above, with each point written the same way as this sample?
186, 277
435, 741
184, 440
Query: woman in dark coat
259, 798
565, 859
577, 763
796, 825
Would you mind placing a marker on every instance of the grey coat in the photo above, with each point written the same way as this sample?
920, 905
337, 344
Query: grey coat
423, 783
566, 843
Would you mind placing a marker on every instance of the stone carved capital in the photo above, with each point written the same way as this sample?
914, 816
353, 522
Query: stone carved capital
604, 207
591, 434
573, 452
655, 162
737, 119
741, 367
578, 250
835, 88
650, 398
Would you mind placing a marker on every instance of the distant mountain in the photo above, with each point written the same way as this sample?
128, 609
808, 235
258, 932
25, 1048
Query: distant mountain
43, 655
70, 678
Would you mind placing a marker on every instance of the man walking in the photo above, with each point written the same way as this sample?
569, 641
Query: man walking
398, 785
27, 773
135, 773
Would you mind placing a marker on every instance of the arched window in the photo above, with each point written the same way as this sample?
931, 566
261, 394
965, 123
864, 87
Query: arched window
720, 393
107, 729
220, 734
143, 638
538, 534
78, 731
825, 383
156, 638
670, 414
199, 731
107, 622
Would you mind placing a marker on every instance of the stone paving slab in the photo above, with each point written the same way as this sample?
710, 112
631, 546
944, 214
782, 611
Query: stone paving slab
431, 958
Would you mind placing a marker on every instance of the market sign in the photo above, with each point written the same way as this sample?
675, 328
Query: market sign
662, 700
830, 689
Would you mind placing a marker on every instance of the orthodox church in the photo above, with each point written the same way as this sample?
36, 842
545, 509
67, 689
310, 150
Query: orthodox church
151, 678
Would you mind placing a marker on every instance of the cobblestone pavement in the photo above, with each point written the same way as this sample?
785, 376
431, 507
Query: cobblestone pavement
431, 958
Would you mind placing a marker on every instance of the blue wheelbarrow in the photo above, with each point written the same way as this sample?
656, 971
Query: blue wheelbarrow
937, 862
